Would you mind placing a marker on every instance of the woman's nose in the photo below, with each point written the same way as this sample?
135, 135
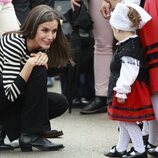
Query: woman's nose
50, 35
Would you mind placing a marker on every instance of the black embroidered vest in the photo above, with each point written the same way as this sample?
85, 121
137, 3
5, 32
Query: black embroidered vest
131, 48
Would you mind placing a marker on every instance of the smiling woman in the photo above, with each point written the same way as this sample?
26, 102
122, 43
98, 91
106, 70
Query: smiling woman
26, 107
46, 34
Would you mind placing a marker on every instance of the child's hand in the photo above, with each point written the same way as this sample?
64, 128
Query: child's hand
120, 100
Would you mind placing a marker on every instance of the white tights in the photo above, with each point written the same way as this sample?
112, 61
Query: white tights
153, 125
129, 131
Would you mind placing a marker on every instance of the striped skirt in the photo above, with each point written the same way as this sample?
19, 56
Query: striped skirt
138, 106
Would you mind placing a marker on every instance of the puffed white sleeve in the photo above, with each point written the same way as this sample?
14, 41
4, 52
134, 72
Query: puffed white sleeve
128, 74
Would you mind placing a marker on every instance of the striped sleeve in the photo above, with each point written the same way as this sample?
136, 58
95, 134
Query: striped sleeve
12, 50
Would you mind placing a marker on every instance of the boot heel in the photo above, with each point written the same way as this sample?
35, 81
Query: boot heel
25, 148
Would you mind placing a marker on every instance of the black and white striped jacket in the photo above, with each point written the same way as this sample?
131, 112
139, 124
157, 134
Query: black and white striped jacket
13, 56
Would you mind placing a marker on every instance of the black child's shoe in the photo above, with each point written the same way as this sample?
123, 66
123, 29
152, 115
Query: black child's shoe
114, 153
134, 154
153, 152
149, 146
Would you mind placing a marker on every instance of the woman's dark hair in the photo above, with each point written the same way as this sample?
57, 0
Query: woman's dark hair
59, 51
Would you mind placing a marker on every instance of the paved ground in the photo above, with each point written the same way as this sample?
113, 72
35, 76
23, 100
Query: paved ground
85, 136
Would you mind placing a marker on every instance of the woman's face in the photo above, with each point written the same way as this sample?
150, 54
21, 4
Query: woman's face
46, 34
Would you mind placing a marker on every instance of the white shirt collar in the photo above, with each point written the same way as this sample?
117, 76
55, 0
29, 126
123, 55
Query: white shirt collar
132, 36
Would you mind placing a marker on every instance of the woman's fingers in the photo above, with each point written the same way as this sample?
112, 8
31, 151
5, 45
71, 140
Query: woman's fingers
40, 58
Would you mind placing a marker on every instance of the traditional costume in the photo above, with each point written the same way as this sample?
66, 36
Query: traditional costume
128, 78
128, 94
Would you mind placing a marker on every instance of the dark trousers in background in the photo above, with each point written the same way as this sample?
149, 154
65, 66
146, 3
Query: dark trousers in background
34, 108
22, 7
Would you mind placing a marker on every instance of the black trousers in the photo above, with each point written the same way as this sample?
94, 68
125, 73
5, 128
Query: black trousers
31, 112
22, 7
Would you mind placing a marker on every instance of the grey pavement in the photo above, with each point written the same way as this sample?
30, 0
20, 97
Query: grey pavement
85, 136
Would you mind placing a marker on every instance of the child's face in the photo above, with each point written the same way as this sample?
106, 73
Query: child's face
116, 33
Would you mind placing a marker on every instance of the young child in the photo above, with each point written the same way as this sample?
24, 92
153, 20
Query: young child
128, 95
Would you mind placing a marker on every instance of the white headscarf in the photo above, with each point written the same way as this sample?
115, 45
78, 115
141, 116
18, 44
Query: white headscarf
131, 1
119, 17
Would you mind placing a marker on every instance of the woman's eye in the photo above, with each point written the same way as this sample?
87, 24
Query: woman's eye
45, 30
54, 31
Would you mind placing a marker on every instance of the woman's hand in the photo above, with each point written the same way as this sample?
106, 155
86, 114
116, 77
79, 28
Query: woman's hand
38, 59
75, 3
120, 100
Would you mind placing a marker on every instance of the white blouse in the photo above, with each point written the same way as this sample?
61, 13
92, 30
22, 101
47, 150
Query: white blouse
128, 74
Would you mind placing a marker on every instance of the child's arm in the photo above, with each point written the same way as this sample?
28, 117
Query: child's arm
128, 74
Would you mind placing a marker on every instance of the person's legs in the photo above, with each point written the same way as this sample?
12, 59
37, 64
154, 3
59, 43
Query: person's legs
29, 113
153, 125
3, 145
120, 149
9, 21
135, 133
124, 138
35, 113
34, 3
29, 117
153, 128
102, 57
22, 8
136, 136
58, 104
9, 119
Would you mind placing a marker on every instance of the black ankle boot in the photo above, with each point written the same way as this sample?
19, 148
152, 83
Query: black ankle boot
4, 146
27, 141
96, 106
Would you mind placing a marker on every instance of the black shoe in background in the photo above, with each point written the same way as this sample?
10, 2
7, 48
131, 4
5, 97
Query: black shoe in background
53, 133
98, 105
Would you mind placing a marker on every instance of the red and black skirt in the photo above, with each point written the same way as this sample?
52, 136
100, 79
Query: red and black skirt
138, 106
149, 36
